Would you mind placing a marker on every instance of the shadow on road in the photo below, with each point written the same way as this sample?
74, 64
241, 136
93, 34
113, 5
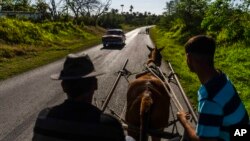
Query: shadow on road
114, 47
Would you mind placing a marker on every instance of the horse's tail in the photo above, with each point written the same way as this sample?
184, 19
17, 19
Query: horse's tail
146, 103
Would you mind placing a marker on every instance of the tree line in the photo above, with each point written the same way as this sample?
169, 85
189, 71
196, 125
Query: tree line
87, 12
226, 20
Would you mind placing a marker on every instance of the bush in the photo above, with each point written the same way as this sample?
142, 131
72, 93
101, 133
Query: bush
25, 32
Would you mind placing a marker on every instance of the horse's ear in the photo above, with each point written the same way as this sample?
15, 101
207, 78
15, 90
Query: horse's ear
150, 48
160, 49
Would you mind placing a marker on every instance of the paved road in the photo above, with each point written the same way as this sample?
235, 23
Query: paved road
23, 96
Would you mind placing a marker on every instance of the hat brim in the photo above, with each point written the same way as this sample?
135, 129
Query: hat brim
59, 77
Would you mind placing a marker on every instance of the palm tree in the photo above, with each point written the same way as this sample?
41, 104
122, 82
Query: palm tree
122, 7
131, 8
116, 11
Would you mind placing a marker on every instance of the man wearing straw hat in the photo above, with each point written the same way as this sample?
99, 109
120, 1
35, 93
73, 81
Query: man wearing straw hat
220, 107
76, 118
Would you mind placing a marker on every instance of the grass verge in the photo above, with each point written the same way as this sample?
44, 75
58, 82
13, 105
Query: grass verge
25, 45
31, 60
127, 28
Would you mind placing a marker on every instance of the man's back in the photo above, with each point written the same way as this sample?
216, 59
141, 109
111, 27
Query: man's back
73, 120
220, 108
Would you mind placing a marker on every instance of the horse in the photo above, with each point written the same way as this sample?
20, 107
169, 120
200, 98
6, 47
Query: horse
147, 102
147, 30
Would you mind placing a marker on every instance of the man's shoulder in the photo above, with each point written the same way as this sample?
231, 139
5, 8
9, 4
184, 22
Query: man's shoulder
113, 125
55, 112
109, 120
215, 85
74, 111
107, 127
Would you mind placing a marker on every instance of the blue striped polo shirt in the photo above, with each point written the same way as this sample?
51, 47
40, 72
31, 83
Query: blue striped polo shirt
219, 108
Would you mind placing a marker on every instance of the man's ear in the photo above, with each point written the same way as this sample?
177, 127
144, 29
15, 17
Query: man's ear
192, 59
189, 55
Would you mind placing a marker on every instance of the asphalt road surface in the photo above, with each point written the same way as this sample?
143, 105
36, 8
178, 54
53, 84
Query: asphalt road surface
23, 96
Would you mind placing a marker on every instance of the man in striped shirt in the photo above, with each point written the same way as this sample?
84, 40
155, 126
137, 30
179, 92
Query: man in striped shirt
220, 107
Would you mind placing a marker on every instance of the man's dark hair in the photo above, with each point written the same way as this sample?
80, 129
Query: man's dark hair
203, 46
77, 87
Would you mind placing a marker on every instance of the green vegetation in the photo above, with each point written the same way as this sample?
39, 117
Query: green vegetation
31, 42
226, 21
25, 32
174, 52
233, 60
40, 39
128, 28
25, 45
114, 19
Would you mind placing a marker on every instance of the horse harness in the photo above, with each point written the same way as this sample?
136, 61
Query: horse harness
153, 68
149, 86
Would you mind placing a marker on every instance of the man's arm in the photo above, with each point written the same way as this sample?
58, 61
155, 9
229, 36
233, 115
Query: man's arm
182, 116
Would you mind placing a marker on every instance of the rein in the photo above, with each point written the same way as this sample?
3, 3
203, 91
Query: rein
148, 68
170, 92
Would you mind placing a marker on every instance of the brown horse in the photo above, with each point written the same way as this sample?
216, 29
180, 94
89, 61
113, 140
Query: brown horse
147, 102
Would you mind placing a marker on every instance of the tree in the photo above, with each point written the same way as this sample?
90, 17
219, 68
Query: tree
122, 5
99, 9
226, 22
170, 7
42, 7
191, 11
8, 5
111, 19
22, 5
246, 5
91, 9
53, 9
131, 9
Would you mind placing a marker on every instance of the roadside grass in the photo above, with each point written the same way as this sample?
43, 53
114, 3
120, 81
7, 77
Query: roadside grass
30, 60
127, 28
174, 52
234, 60
25, 45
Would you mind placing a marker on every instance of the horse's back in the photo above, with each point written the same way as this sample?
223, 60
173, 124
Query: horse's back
159, 112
